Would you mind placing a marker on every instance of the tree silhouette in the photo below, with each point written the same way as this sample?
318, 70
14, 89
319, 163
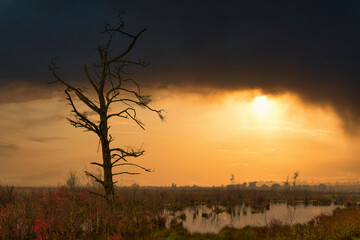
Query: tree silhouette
113, 85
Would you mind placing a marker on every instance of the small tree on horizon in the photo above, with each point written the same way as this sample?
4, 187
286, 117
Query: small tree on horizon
295, 177
113, 85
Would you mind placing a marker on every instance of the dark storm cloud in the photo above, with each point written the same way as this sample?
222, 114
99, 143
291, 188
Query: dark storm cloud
35, 31
310, 48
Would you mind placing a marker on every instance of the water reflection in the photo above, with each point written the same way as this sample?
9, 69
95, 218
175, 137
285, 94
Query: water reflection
204, 219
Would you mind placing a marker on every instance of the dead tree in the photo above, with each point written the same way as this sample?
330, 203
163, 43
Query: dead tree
295, 177
112, 84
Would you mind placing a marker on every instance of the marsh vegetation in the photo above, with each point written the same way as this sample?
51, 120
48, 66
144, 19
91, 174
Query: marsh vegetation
70, 212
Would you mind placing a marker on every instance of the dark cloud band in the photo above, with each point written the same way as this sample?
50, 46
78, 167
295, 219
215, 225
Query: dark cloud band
310, 48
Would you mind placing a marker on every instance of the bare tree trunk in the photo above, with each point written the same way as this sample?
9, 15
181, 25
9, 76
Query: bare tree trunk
105, 141
108, 178
112, 85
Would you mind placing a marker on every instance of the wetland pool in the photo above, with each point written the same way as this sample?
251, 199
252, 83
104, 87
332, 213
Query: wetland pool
203, 219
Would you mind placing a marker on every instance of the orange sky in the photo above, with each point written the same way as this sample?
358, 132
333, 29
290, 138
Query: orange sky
205, 139
206, 76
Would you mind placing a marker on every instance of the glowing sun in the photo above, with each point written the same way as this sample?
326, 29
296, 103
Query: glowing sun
260, 106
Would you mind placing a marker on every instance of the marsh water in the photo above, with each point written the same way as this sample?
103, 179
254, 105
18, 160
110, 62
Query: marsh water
211, 220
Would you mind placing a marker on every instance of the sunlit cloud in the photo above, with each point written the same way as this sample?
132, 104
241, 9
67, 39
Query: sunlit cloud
218, 133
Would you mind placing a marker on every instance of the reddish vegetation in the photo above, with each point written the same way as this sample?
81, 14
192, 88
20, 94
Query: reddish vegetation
73, 214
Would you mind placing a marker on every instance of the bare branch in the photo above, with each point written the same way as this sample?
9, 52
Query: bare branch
98, 164
97, 194
123, 54
129, 152
94, 177
137, 121
100, 50
78, 124
87, 123
124, 154
90, 79
134, 165
117, 114
130, 173
144, 105
77, 91
108, 43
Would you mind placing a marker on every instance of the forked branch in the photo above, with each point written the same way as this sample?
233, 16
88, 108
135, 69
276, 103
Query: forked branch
79, 94
82, 120
133, 165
